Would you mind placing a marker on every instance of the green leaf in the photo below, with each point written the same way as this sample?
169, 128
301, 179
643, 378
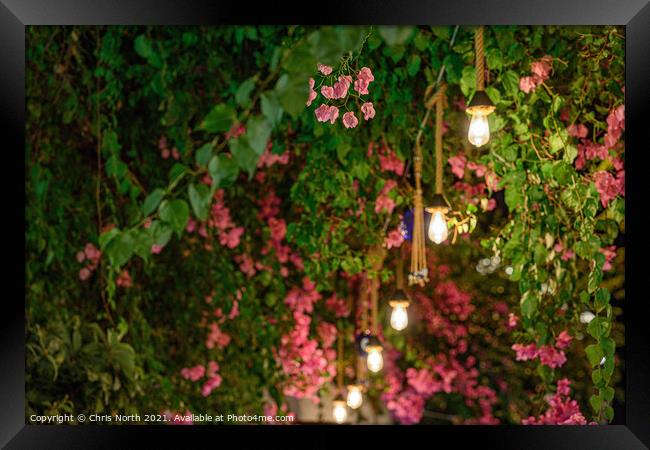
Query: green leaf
219, 119
598, 328
513, 197
602, 299
468, 80
271, 108
258, 132
200, 200
106, 237
175, 213
570, 153
203, 155
243, 94
555, 142
413, 65
124, 356
142, 46
594, 354
528, 304
292, 93
152, 201
396, 35
244, 155
142, 242
595, 403
120, 249
510, 81
223, 170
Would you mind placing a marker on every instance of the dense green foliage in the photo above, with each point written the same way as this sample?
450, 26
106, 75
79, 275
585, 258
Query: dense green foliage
105, 102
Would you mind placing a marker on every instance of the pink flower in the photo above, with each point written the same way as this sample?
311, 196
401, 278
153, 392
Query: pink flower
338, 306
394, 239
563, 386
234, 312
527, 84
312, 93
80, 257
512, 320
327, 332
366, 75
608, 187
210, 385
325, 113
579, 131
155, 249
389, 161
162, 142
341, 87
327, 91
368, 111
193, 373
525, 352
423, 381
551, 357
124, 279
324, 69
361, 86
563, 340
542, 68
610, 255
231, 238
175, 153
349, 120
84, 274
457, 164
164, 153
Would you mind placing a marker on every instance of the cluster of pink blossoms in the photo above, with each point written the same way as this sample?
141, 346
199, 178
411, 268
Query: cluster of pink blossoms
199, 371
477, 193
165, 152
549, 355
395, 238
229, 233
541, 70
384, 203
562, 410
566, 253
609, 186
388, 159
306, 366
90, 255
337, 305
339, 90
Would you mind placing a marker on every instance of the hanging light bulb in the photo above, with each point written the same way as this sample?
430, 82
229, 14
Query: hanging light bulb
399, 318
355, 396
374, 359
481, 106
438, 230
479, 129
340, 410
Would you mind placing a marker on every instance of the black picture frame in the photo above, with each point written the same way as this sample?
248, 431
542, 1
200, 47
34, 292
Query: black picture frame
633, 14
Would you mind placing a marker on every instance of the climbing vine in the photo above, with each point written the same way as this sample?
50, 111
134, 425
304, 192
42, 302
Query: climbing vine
201, 201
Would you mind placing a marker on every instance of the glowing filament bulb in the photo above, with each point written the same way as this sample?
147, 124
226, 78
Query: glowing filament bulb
355, 397
399, 318
438, 228
375, 359
340, 411
479, 129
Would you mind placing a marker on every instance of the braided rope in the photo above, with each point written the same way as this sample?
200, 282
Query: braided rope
441, 101
339, 372
480, 60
